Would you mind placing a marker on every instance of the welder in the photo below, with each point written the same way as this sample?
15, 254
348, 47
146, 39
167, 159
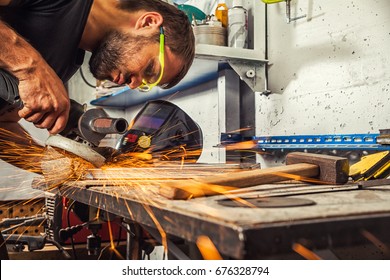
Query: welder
141, 43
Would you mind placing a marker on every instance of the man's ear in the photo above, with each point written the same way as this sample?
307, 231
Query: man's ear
149, 19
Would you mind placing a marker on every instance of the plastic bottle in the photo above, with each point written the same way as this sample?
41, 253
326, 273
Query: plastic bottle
238, 25
221, 12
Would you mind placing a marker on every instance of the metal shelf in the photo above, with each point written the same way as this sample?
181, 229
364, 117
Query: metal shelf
247, 63
223, 53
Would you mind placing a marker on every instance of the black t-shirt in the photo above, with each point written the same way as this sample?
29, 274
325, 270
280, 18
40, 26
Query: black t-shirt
53, 27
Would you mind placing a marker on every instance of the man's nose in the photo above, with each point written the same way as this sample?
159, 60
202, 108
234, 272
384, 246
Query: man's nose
136, 81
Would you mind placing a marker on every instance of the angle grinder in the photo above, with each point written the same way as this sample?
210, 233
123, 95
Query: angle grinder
85, 128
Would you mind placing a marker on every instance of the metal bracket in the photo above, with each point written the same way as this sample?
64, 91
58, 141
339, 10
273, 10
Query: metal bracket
289, 19
288, 13
251, 72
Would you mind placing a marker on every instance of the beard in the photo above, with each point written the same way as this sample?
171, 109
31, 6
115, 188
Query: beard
114, 52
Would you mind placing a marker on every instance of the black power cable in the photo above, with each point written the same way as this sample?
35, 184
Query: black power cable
84, 79
68, 222
59, 247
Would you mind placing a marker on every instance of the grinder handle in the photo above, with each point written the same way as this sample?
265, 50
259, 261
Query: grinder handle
9, 89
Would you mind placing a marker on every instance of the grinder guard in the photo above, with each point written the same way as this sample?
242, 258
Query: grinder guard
164, 130
84, 131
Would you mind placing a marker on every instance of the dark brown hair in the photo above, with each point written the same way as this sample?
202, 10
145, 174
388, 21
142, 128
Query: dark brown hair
179, 36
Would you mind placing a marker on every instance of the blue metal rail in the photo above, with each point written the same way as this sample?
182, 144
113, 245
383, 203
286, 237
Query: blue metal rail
337, 141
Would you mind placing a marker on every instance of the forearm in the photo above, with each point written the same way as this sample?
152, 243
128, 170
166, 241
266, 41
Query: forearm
17, 56
44, 97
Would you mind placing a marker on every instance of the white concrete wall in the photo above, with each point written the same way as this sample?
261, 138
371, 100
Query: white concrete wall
330, 71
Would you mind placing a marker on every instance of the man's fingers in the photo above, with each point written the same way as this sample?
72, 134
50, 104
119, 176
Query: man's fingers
47, 121
59, 124
53, 122
34, 117
25, 113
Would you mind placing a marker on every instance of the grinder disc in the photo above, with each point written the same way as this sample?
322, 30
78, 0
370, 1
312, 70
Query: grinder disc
267, 202
76, 148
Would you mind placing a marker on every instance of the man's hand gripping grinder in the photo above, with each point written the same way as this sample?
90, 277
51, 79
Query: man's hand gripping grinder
85, 128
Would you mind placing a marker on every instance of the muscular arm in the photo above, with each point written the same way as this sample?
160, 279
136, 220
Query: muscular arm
46, 102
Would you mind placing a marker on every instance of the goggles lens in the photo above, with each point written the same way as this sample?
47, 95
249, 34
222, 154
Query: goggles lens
154, 71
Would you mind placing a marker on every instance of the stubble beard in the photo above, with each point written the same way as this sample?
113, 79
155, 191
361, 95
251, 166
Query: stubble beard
114, 52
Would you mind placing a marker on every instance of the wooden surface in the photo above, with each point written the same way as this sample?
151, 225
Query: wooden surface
220, 183
332, 169
301, 166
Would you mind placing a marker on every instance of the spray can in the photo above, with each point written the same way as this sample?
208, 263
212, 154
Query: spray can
238, 25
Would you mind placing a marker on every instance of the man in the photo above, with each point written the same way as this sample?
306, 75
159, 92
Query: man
141, 43
43, 43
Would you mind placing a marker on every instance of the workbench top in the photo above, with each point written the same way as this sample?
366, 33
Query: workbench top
329, 201
330, 215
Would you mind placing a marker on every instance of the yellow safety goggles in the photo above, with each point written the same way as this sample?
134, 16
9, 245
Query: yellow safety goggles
153, 80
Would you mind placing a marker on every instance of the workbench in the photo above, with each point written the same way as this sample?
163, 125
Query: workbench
317, 217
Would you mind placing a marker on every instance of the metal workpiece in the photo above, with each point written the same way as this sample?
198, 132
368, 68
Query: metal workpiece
374, 183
